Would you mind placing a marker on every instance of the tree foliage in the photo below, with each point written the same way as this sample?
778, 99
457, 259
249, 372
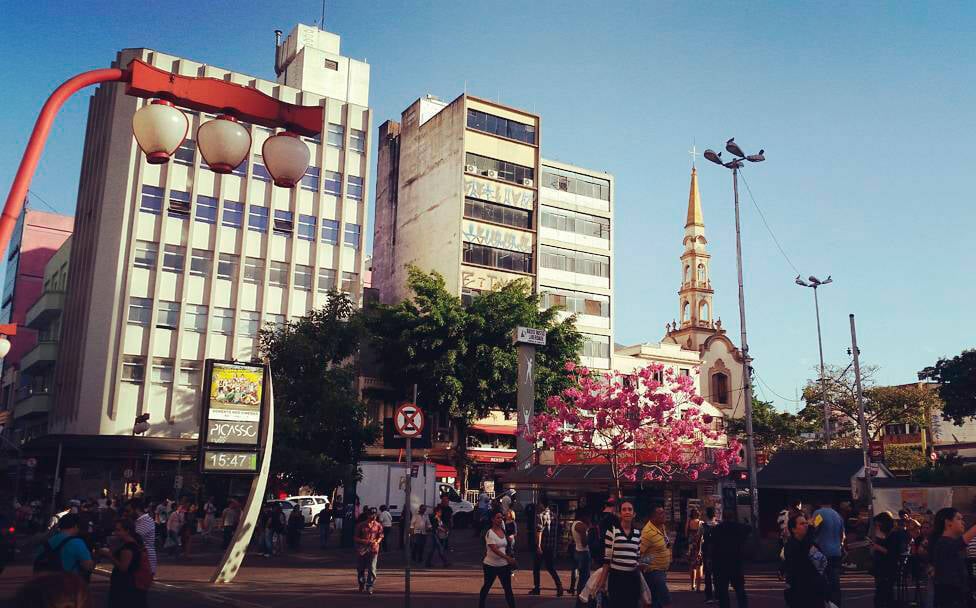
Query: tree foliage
904, 457
461, 356
774, 430
956, 378
649, 424
321, 428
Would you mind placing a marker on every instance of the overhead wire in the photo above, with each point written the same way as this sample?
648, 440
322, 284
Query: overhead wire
766, 224
41, 198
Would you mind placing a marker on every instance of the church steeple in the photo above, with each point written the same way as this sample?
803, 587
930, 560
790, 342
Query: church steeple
695, 217
696, 322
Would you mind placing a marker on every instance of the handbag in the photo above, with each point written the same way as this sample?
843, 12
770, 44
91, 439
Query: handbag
597, 581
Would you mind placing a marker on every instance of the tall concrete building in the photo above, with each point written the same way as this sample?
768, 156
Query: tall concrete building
462, 189
173, 264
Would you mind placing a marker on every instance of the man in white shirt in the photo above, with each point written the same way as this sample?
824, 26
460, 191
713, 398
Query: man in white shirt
386, 520
146, 528
420, 528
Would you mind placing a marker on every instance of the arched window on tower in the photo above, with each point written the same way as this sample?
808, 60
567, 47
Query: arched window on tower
688, 274
685, 312
703, 311
701, 273
720, 388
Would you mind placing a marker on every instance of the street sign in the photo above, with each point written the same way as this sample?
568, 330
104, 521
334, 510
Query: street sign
31, 463
933, 456
414, 470
530, 335
876, 451
127, 474
874, 469
408, 420
178, 482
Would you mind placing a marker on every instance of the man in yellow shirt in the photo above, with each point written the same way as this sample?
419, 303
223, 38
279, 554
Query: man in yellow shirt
655, 558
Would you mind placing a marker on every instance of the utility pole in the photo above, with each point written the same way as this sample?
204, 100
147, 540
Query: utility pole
815, 283
407, 518
862, 423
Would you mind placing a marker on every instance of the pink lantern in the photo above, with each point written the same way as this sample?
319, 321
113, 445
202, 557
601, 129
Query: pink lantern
223, 143
286, 156
159, 129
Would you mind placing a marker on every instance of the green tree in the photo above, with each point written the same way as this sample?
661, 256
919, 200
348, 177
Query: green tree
956, 378
321, 428
461, 356
773, 430
904, 457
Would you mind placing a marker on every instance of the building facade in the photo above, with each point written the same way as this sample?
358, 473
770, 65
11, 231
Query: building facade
174, 264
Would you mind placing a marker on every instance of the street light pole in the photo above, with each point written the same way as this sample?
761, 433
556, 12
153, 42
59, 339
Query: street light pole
735, 164
862, 423
815, 283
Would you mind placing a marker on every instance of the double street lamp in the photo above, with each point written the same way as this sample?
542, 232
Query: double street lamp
734, 165
813, 283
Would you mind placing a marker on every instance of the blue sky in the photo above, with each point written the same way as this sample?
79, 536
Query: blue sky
864, 111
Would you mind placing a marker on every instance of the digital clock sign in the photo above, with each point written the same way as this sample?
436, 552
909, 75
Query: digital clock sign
223, 461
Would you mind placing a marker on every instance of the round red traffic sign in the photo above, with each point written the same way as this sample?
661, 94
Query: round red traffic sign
408, 420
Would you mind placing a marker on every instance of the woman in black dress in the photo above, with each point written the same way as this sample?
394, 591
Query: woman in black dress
122, 592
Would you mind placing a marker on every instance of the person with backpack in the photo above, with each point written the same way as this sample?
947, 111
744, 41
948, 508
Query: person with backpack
131, 575
65, 551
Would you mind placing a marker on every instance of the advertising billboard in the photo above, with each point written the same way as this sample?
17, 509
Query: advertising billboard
233, 406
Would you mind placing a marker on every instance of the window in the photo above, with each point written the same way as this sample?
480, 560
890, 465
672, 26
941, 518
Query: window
303, 277
330, 64
257, 219
687, 274
196, 318
279, 274
174, 258
327, 279
575, 183
152, 200
223, 321
330, 231
201, 262
227, 267
684, 371
206, 209
333, 182
701, 273
510, 172
503, 127
497, 214
579, 262
241, 169
577, 223
497, 258
190, 373
275, 321
168, 316
133, 369
162, 371
260, 172
577, 302
685, 312
184, 154
350, 282
284, 222
357, 140
140, 311
703, 311
179, 204
354, 187
596, 346
249, 325
146, 254
306, 227
253, 270
352, 235
336, 133
233, 214
720, 389
311, 179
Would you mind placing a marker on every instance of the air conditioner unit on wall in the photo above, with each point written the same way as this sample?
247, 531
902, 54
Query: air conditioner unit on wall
471, 169
527, 182
491, 173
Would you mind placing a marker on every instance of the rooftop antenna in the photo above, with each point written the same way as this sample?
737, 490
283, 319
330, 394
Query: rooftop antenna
322, 21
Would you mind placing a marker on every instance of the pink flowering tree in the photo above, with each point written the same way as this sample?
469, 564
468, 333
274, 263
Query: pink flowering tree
648, 425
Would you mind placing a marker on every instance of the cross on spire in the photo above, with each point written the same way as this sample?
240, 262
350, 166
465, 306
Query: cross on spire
693, 152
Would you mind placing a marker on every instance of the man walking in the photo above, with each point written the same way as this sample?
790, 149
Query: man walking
447, 516
708, 567
655, 557
231, 515
368, 536
145, 528
66, 549
386, 520
727, 541
546, 538
829, 527
419, 528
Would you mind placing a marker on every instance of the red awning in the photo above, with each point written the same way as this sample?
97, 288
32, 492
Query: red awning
496, 429
495, 456
444, 470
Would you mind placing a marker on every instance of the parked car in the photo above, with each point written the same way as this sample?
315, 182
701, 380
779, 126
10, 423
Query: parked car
286, 506
311, 507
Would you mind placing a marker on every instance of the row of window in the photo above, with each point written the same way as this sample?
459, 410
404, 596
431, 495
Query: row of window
596, 346
576, 183
163, 372
577, 302
579, 262
577, 223
497, 258
499, 214
496, 125
510, 172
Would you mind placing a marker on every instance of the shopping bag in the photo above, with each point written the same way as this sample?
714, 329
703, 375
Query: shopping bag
597, 581
645, 596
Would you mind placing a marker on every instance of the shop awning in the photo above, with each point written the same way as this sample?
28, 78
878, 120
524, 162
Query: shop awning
494, 429
444, 470
492, 456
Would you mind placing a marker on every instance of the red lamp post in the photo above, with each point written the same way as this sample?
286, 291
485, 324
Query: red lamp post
160, 127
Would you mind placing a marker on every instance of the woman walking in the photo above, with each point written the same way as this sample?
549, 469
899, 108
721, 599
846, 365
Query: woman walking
693, 534
884, 557
804, 566
497, 563
621, 550
438, 537
122, 592
581, 551
948, 555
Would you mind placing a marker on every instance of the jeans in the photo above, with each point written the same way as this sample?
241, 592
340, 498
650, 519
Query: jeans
708, 573
366, 569
386, 535
657, 582
832, 574
437, 545
228, 535
417, 550
269, 541
504, 575
582, 560
549, 559
324, 530
724, 576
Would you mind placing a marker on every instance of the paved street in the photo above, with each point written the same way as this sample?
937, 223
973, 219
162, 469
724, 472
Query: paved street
296, 579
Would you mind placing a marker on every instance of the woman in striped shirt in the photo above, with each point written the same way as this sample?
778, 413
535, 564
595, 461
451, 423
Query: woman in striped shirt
621, 552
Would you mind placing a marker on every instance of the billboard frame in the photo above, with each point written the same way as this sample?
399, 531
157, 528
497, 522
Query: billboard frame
256, 449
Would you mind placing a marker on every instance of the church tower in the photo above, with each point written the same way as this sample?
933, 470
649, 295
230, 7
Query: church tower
695, 296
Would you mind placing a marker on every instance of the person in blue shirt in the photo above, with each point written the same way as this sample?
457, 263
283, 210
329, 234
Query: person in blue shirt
75, 556
830, 539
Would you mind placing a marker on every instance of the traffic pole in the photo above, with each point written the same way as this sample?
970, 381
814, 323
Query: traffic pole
407, 517
863, 424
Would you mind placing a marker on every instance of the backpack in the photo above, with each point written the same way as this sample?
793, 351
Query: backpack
50, 558
142, 576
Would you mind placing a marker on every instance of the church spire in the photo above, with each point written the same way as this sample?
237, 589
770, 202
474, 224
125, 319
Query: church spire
695, 217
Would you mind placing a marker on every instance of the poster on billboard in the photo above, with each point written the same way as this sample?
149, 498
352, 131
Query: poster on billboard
233, 404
